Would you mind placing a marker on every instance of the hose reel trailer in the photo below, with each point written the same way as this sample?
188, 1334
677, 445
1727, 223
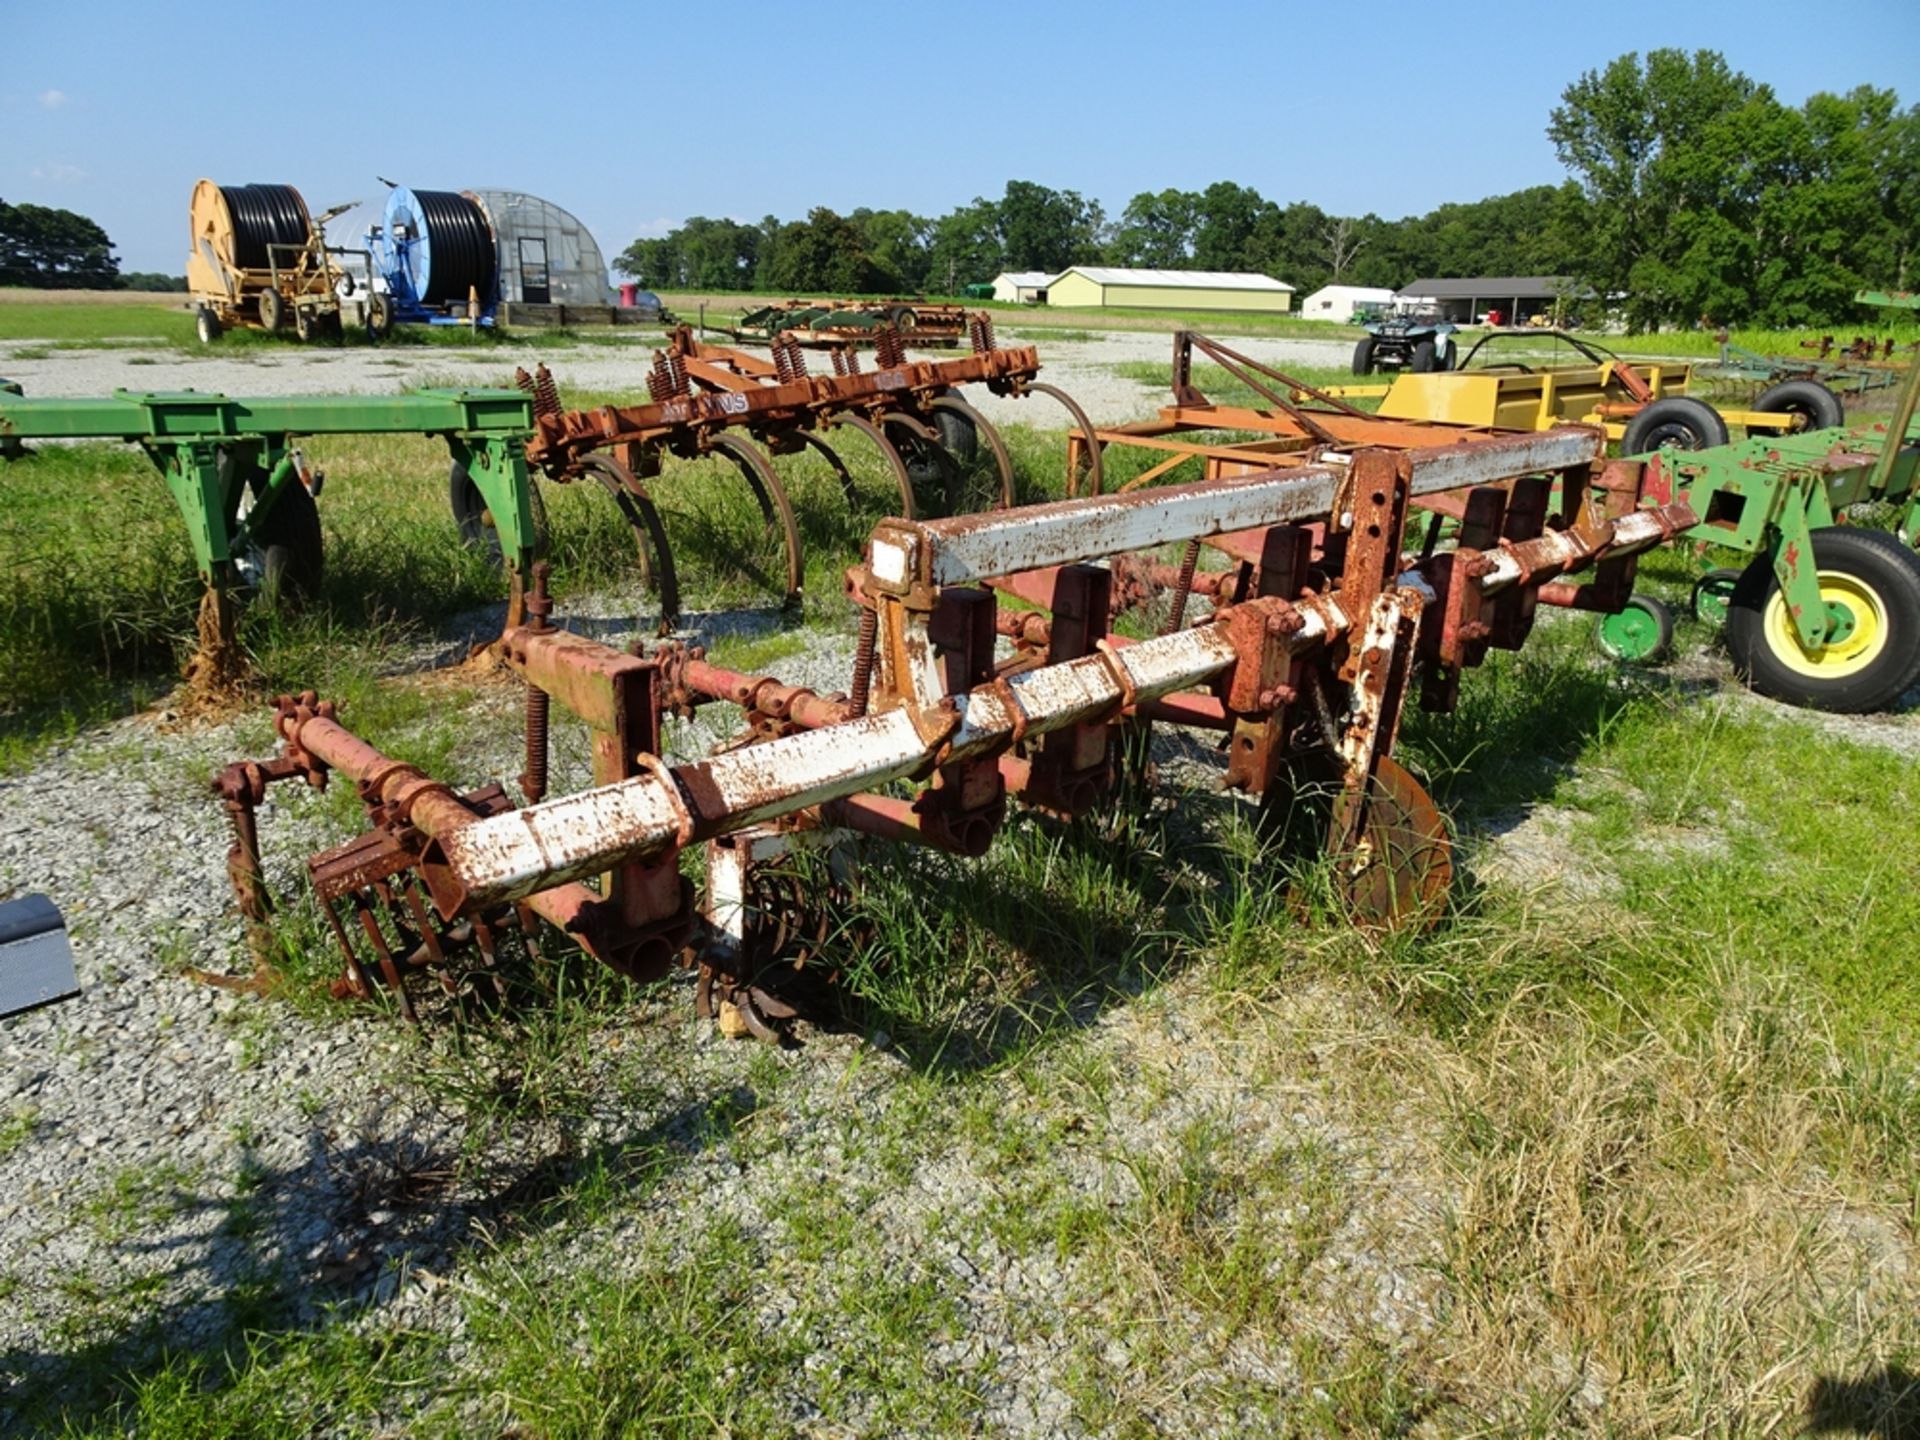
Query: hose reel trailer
258, 258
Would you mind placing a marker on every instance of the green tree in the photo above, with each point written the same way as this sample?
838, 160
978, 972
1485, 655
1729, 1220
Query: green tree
1156, 229
1227, 220
53, 249
1044, 229
824, 255
964, 248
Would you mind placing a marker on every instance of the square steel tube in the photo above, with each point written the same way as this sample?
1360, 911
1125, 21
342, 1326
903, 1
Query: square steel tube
970, 548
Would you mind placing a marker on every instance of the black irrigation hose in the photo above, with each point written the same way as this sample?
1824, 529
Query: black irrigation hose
264, 215
461, 244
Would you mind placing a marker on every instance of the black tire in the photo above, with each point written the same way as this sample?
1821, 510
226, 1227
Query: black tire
303, 324
273, 311
1363, 357
1425, 356
475, 521
379, 317
1679, 421
902, 318
207, 325
289, 542
1873, 575
1817, 406
958, 437
1449, 356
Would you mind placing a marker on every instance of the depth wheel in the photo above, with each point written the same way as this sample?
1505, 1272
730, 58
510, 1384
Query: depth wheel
1641, 634
1712, 593
1870, 583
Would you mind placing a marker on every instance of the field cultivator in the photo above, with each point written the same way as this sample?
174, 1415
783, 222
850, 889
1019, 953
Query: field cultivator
1826, 613
956, 705
711, 400
844, 324
1299, 425
247, 493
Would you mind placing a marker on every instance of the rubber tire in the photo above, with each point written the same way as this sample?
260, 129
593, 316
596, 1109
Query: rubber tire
1425, 358
207, 325
1363, 357
1704, 609
1450, 356
1813, 402
273, 311
379, 316
1667, 421
304, 325
958, 437
1662, 616
1883, 564
292, 549
470, 514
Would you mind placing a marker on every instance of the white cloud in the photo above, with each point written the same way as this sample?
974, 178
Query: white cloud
52, 99
58, 173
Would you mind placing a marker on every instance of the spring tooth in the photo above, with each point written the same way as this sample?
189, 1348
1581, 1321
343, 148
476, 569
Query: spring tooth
888, 348
523, 380
546, 394
863, 656
660, 380
980, 331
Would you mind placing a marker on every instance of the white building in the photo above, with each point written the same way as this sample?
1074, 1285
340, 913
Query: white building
1018, 287
1337, 302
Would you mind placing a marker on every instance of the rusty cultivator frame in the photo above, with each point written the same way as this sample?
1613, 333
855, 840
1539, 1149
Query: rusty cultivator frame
955, 706
1298, 426
713, 400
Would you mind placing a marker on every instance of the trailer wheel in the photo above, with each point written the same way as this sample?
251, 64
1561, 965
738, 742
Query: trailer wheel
1871, 585
287, 553
1363, 357
379, 316
207, 325
1641, 634
1424, 357
303, 324
1817, 406
1679, 421
475, 521
273, 310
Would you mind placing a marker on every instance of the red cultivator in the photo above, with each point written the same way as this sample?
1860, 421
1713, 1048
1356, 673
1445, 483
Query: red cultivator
1313, 642
710, 400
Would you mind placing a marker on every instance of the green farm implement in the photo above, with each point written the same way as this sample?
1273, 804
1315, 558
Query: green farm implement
247, 494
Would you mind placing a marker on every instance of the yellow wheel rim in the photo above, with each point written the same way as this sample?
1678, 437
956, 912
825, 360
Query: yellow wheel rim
1848, 656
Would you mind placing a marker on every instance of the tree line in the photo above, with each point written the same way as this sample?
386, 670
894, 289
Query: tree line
1694, 194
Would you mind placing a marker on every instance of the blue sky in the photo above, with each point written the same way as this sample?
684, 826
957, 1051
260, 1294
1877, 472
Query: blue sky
637, 116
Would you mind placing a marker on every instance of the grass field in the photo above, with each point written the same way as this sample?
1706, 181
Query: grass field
1626, 1145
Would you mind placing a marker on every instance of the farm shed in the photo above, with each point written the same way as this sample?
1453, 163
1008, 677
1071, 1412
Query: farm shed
1518, 298
1021, 286
1337, 302
1086, 285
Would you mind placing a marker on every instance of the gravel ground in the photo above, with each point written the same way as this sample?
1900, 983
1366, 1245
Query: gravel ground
1080, 367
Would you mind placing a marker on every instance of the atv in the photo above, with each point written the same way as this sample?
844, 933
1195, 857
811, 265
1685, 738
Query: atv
1419, 341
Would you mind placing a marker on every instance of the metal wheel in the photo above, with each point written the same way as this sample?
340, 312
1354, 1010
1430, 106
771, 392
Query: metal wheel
1641, 634
273, 311
1398, 873
1712, 593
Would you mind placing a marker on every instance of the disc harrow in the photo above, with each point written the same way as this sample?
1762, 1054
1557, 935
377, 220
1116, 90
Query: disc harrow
1301, 660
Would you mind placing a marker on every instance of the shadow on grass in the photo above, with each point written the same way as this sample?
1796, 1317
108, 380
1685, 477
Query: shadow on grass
1882, 1404
298, 1251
